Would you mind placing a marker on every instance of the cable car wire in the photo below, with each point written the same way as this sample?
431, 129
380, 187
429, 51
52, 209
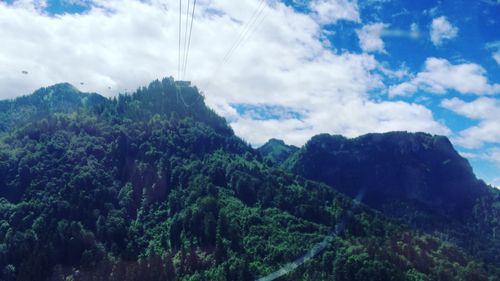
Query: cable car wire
180, 33
247, 35
189, 40
185, 36
244, 31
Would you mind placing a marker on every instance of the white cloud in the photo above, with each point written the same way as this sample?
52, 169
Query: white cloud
440, 76
496, 56
486, 112
493, 155
351, 118
38, 5
331, 11
495, 47
441, 30
370, 37
124, 44
76, 2
412, 33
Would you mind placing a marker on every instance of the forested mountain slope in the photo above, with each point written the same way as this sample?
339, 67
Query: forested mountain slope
416, 177
277, 151
156, 186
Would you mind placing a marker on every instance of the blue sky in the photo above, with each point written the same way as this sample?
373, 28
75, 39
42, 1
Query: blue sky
304, 67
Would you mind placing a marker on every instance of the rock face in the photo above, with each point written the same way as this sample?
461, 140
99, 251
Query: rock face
413, 169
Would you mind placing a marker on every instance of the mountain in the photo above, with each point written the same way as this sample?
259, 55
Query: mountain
60, 98
155, 186
277, 151
415, 177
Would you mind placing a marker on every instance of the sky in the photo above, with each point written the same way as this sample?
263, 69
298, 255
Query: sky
285, 69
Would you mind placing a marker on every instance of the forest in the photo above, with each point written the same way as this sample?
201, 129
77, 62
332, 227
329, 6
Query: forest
156, 186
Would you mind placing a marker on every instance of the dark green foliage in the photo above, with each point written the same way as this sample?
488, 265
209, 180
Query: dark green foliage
155, 186
277, 151
418, 178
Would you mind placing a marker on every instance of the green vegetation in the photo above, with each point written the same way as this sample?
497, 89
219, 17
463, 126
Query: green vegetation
277, 151
417, 178
155, 186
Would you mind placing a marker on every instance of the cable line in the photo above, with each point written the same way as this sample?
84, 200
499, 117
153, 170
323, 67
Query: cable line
247, 35
189, 40
242, 36
244, 31
185, 36
180, 31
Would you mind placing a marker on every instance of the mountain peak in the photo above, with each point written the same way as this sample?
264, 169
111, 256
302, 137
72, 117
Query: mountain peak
59, 89
277, 150
275, 141
419, 168
63, 86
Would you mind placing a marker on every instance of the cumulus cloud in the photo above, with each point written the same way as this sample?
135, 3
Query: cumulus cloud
485, 111
370, 37
351, 119
441, 30
331, 11
440, 76
124, 44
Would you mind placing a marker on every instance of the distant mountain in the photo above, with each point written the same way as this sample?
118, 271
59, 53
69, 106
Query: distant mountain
60, 98
420, 168
416, 177
277, 151
156, 186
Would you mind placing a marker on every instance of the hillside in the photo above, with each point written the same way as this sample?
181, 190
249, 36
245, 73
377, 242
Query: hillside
417, 178
156, 186
277, 151
60, 98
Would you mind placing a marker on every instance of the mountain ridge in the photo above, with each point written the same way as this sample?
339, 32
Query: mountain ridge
148, 186
415, 177
394, 146
276, 150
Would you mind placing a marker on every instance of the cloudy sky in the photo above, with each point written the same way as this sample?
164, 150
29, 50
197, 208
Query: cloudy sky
280, 68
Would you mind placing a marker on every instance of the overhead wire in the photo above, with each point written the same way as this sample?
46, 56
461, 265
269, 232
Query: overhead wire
245, 32
249, 34
185, 37
189, 41
196, 100
184, 47
246, 29
180, 35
